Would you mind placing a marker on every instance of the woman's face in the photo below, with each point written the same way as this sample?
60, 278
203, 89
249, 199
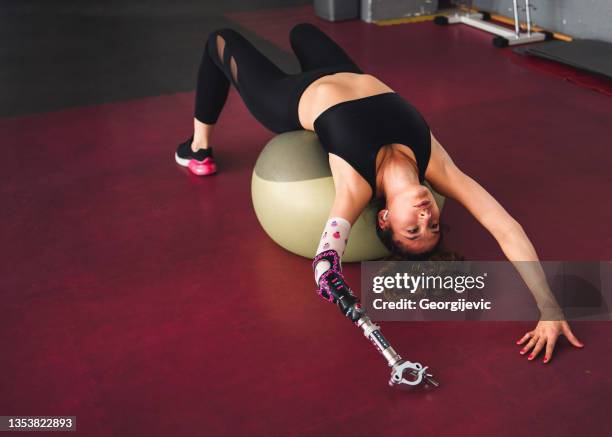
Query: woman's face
413, 218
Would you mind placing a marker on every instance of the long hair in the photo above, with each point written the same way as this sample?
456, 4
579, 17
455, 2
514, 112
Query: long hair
398, 253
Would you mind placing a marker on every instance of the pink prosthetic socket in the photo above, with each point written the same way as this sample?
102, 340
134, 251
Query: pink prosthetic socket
335, 237
333, 288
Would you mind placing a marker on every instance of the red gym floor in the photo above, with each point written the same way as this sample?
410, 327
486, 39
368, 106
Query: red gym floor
149, 302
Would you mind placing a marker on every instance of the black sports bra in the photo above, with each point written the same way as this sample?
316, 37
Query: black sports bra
355, 130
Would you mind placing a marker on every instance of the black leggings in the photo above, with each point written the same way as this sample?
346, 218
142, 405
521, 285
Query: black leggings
270, 94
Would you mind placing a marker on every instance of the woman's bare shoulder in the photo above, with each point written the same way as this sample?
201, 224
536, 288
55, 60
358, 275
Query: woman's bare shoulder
441, 172
439, 160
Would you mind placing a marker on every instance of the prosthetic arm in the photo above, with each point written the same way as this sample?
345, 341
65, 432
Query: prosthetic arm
333, 288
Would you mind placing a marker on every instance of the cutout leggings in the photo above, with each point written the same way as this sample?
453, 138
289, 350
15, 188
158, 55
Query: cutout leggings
271, 95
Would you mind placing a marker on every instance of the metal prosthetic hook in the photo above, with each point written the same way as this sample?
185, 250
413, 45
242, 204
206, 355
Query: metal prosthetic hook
400, 369
333, 288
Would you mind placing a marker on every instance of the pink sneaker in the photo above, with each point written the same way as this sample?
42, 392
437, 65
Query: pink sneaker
200, 163
203, 168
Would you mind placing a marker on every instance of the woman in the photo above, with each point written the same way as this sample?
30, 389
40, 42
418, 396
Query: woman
380, 149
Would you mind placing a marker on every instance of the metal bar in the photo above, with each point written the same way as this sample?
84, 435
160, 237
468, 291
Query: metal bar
489, 27
528, 12
534, 28
517, 27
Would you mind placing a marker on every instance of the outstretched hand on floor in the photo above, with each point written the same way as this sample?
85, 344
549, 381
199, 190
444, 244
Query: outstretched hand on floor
545, 335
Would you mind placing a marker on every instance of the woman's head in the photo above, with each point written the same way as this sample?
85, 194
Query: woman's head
409, 223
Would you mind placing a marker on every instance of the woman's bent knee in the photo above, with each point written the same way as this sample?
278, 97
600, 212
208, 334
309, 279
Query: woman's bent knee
215, 44
224, 32
301, 28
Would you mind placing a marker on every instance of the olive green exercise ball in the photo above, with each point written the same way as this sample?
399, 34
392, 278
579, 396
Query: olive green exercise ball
293, 191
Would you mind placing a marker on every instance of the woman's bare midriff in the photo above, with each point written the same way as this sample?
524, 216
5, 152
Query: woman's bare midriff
333, 89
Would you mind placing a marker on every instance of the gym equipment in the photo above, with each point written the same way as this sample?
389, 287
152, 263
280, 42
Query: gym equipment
293, 191
337, 10
505, 37
334, 289
589, 55
376, 10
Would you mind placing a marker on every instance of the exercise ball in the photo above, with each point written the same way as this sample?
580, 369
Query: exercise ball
293, 191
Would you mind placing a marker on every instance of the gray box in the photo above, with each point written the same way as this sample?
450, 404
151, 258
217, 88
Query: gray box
375, 10
337, 10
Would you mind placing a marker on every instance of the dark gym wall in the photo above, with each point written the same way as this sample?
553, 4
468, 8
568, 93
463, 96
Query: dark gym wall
68, 53
580, 19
